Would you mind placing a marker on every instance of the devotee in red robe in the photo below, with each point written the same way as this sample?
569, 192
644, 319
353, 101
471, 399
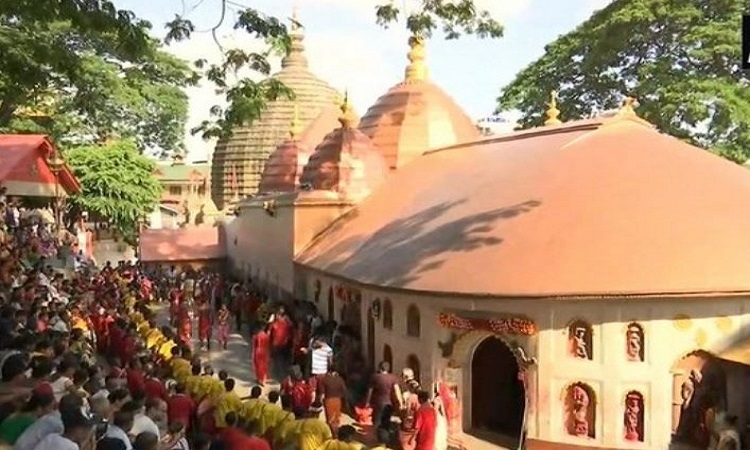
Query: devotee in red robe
281, 341
204, 324
425, 424
185, 326
261, 354
181, 408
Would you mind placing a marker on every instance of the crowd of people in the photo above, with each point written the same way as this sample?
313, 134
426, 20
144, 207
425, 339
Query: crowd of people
89, 361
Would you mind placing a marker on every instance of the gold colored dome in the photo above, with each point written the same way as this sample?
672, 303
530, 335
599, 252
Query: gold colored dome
415, 115
250, 146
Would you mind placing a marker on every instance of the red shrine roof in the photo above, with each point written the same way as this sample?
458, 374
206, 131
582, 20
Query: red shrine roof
605, 207
181, 244
25, 169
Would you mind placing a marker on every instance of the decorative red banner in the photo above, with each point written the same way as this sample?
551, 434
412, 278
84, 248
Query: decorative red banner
513, 325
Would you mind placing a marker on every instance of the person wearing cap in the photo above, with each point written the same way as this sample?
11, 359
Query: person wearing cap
78, 430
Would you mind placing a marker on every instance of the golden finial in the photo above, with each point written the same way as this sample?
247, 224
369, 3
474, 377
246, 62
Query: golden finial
627, 109
347, 117
553, 113
295, 22
416, 71
296, 130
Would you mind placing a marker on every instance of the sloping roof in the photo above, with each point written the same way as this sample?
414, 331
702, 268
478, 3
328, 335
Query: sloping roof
181, 244
181, 172
583, 209
24, 165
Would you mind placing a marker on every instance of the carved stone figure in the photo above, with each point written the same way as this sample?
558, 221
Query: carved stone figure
634, 343
580, 340
634, 417
579, 417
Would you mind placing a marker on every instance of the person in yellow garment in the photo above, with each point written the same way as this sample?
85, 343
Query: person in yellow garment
250, 412
269, 414
346, 440
382, 438
228, 402
192, 383
286, 424
180, 364
311, 431
166, 348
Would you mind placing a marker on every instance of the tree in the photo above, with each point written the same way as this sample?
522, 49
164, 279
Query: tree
108, 75
117, 183
679, 58
94, 70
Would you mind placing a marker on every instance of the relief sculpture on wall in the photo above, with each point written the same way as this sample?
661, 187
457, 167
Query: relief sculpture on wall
635, 342
580, 410
634, 417
580, 340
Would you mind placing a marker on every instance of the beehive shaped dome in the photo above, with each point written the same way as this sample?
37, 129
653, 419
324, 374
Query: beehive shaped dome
345, 162
415, 115
237, 162
284, 167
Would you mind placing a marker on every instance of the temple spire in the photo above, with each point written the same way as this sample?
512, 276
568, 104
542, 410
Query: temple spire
296, 130
296, 55
347, 115
416, 71
553, 113
627, 109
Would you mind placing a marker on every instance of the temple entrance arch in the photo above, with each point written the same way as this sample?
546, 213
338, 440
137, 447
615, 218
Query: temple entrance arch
498, 396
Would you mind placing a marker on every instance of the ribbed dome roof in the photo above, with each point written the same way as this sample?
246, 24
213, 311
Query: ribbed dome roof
415, 115
345, 162
284, 167
238, 162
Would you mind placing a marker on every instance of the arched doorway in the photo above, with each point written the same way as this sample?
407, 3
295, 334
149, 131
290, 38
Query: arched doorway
498, 398
331, 305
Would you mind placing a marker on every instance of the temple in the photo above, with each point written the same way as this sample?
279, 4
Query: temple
238, 162
590, 276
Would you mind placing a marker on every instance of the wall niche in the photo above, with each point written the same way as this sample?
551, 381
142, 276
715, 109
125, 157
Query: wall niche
580, 340
635, 343
580, 410
634, 419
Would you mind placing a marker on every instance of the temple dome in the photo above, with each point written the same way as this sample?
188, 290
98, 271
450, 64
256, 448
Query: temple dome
284, 167
604, 207
237, 162
415, 115
345, 162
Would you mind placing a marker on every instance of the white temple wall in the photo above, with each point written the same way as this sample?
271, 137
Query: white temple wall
672, 328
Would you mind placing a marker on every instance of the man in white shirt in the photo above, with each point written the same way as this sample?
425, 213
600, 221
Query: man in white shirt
141, 421
51, 423
120, 427
78, 430
320, 357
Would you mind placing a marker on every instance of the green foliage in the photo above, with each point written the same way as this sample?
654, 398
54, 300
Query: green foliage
679, 58
117, 183
94, 69
452, 17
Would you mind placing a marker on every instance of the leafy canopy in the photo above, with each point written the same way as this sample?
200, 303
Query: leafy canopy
247, 99
679, 58
117, 183
93, 70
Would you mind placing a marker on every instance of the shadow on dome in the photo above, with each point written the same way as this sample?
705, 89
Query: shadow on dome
416, 244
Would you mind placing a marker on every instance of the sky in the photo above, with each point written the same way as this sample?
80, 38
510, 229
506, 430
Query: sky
351, 52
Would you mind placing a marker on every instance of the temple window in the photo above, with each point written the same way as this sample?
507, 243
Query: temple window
175, 190
387, 314
413, 321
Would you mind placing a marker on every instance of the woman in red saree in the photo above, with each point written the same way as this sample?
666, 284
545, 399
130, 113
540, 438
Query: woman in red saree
174, 305
204, 324
261, 354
